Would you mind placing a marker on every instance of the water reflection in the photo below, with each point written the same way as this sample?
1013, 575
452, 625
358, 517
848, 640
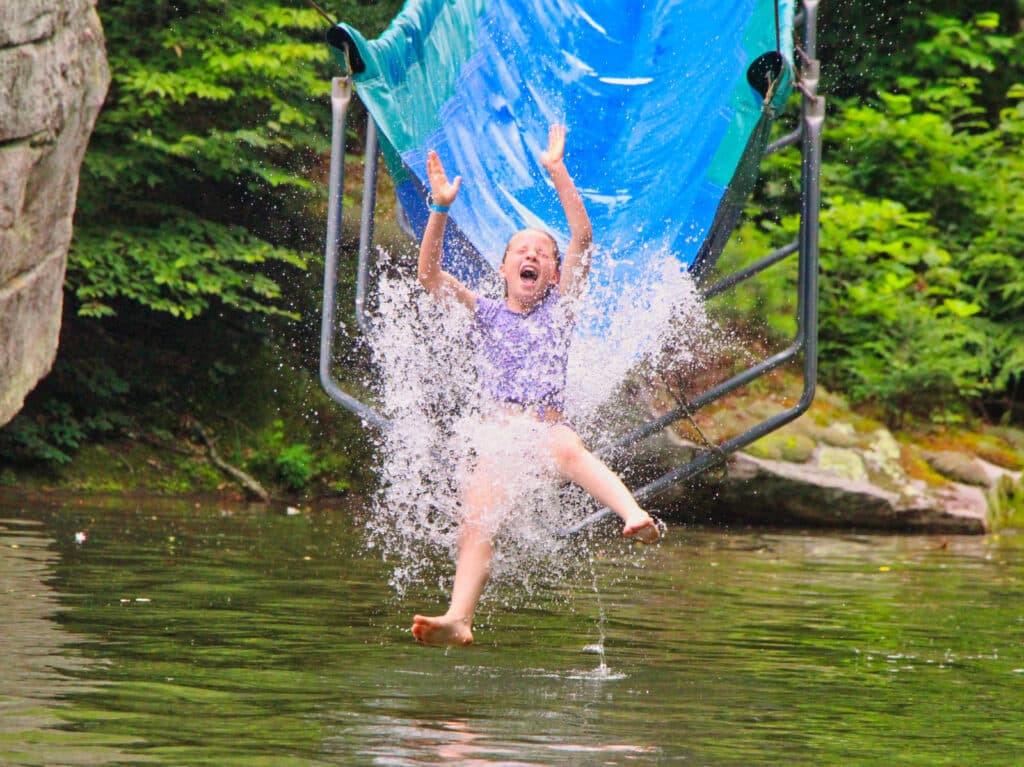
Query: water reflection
40, 667
187, 635
464, 742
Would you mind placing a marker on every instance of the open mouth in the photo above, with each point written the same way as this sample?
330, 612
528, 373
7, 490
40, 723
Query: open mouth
528, 274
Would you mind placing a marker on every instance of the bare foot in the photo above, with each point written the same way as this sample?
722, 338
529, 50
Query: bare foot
442, 631
645, 529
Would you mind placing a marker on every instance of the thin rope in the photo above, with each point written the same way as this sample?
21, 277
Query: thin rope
712, 447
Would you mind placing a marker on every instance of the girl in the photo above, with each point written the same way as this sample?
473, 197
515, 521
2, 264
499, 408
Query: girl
523, 343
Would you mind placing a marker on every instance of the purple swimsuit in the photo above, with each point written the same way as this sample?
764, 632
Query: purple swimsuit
523, 357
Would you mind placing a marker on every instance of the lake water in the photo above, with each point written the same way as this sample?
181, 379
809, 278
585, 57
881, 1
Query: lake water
193, 634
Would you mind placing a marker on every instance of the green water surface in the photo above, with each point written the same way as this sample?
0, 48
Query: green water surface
191, 634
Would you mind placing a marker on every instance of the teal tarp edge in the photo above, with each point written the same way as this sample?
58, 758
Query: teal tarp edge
411, 69
744, 126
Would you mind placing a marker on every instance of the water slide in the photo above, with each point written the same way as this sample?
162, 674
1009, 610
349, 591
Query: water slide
668, 104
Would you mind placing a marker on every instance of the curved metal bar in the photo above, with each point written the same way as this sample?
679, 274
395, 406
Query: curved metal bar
790, 139
341, 97
717, 392
759, 266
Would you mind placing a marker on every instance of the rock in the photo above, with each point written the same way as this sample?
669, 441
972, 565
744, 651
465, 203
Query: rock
883, 456
769, 492
842, 462
795, 448
27, 21
1013, 437
53, 79
864, 488
839, 434
959, 467
30, 313
995, 473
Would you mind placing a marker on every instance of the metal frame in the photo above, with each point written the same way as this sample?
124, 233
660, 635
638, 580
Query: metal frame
341, 97
808, 135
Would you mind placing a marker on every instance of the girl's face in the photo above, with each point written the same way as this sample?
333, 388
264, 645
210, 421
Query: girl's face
529, 268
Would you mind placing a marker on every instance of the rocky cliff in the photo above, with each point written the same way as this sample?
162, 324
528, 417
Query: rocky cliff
53, 79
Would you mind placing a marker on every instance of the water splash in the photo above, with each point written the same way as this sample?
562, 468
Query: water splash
444, 431
597, 648
630, 331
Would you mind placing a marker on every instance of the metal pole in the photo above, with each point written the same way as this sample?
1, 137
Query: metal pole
811, 28
366, 223
341, 97
813, 120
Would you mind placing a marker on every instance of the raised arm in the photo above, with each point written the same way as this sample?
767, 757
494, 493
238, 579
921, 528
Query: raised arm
435, 280
576, 262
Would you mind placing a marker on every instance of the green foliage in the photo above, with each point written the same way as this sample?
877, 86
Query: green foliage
766, 304
1006, 504
936, 141
117, 408
201, 169
916, 156
210, 117
866, 45
940, 271
53, 432
296, 465
922, 229
894, 327
176, 267
292, 463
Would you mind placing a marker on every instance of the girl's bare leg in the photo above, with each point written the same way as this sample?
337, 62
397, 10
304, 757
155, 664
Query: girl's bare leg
579, 465
476, 550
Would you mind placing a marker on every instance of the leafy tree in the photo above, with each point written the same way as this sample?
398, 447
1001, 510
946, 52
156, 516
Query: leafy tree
204, 119
200, 194
866, 45
921, 289
943, 146
205, 160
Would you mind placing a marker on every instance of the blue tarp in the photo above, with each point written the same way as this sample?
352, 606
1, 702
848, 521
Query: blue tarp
655, 94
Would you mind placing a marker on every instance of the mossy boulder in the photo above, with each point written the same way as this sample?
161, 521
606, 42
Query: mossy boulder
1011, 436
958, 467
784, 445
839, 468
838, 434
843, 462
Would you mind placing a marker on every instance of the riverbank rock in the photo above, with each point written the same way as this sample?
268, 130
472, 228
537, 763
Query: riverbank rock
822, 471
53, 79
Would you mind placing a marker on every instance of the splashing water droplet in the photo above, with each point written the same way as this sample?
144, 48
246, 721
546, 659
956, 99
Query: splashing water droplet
425, 383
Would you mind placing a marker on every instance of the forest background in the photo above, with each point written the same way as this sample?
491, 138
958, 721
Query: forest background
193, 282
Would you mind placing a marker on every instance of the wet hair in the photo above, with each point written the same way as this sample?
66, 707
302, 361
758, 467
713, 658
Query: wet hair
554, 244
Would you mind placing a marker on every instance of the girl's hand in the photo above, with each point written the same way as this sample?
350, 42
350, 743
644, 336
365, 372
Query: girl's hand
555, 153
442, 192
